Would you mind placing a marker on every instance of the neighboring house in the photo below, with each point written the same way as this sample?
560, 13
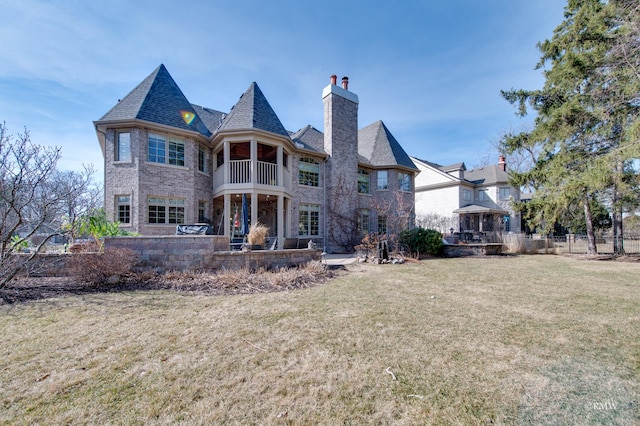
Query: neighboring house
478, 200
169, 162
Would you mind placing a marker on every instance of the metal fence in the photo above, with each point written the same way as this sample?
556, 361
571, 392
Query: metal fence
574, 244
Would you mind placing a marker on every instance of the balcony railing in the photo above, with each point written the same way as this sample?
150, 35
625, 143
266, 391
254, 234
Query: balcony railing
267, 173
240, 172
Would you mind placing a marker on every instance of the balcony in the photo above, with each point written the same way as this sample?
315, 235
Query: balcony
247, 165
240, 172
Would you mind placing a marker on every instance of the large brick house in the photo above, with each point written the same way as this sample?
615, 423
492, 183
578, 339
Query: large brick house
169, 162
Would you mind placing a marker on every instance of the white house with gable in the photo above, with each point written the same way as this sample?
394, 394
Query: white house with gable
478, 201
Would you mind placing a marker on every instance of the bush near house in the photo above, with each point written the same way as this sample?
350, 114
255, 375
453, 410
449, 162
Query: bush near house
420, 241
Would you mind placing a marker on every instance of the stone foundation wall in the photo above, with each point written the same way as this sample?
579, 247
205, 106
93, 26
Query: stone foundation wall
204, 253
462, 250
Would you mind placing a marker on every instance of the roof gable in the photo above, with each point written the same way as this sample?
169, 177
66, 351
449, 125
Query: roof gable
488, 175
309, 138
252, 111
378, 146
158, 99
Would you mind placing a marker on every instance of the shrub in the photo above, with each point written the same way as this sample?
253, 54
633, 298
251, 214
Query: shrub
257, 234
107, 267
421, 241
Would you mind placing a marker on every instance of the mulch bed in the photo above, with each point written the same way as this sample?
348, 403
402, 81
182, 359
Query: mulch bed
24, 289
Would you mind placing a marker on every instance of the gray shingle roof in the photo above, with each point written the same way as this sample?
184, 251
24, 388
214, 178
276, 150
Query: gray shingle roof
487, 175
378, 146
253, 112
310, 138
158, 99
210, 117
446, 169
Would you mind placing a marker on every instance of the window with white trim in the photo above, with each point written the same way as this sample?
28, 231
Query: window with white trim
364, 182
309, 220
466, 195
404, 181
483, 195
383, 179
123, 148
165, 152
309, 172
202, 211
165, 210
123, 209
382, 224
505, 193
202, 160
363, 221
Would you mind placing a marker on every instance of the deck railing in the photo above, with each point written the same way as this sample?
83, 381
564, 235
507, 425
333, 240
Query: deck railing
267, 173
240, 171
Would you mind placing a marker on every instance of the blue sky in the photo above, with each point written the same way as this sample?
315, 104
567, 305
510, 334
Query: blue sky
431, 70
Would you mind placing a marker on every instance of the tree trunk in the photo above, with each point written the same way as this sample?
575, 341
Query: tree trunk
618, 236
591, 235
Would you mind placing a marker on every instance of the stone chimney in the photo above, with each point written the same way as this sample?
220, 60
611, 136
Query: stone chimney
341, 172
502, 163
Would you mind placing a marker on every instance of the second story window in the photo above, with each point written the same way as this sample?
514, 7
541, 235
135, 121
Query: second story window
383, 179
364, 186
202, 160
158, 148
466, 195
123, 148
483, 195
404, 182
176, 153
309, 172
505, 193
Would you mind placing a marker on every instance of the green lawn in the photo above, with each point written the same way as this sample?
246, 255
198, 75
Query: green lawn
509, 340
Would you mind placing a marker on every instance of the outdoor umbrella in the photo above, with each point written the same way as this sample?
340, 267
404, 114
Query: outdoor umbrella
244, 226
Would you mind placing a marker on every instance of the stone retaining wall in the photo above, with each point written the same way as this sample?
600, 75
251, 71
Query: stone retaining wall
204, 253
462, 250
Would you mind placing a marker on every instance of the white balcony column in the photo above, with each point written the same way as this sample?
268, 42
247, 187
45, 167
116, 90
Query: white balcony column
227, 214
226, 152
254, 161
254, 208
280, 168
281, 223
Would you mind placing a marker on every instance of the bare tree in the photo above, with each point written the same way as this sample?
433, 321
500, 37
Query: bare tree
32, 197
399, 211
343, 221
438, 222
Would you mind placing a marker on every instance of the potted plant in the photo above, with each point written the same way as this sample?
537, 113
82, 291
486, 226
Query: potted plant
257, 236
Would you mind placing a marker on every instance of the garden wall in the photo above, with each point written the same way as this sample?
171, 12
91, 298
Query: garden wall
461, 250
204, 253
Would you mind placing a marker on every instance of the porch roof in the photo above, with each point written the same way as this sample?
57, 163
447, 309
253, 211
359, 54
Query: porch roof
475, 208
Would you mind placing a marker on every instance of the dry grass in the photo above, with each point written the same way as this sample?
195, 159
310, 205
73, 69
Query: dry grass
508, 340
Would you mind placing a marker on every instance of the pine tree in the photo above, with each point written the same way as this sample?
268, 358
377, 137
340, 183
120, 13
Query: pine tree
583, 130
